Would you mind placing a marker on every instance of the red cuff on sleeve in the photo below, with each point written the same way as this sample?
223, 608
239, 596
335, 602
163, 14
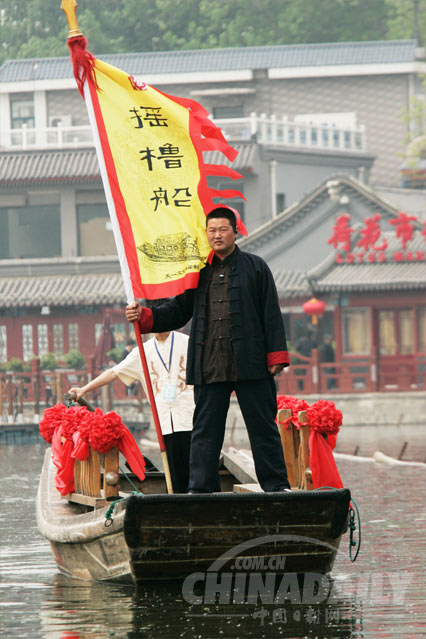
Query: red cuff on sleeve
146, 320
278, 357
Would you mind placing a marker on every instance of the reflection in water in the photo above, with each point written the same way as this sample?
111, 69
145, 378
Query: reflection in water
381, 595
95, 610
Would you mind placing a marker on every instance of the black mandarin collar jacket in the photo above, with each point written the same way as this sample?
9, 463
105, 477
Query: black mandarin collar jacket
258, 337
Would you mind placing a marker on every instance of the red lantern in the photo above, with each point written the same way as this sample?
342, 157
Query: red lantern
314, 307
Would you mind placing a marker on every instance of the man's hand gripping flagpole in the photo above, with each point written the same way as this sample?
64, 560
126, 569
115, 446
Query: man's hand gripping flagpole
69, 8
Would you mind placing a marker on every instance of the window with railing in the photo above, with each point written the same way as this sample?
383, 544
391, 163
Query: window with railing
58, 339
406, 332
27, 342
387, 333
22, 115
396, 332
73, 342
356, 331
42, 340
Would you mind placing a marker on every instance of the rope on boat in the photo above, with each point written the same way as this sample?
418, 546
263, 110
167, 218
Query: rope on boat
352, 525
110, 511
352, 528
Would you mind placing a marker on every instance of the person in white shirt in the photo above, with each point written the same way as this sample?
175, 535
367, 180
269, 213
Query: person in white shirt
166, 357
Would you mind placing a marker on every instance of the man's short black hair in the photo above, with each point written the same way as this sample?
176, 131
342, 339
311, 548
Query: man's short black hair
223, 211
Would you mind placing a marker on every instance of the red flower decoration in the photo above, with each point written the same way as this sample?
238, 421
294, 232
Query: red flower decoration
294, 404
86, 422
324, 417
71, 420
52, 418
102, 432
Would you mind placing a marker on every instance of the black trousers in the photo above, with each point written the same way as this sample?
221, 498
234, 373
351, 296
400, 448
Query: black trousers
178, 445
258, 403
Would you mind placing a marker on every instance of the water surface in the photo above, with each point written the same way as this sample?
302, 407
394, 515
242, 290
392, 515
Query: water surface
381, 595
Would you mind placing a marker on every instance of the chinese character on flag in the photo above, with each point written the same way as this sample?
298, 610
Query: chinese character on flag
150, 150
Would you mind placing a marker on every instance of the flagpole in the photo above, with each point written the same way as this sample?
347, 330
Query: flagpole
69, 8
153, 403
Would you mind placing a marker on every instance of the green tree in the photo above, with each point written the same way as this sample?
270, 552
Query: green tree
407, 19
74, 359
38, 28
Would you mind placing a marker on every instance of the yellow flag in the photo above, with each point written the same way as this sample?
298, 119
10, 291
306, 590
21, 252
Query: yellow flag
150, 148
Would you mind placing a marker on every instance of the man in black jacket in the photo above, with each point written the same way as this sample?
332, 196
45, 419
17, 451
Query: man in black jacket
237, 343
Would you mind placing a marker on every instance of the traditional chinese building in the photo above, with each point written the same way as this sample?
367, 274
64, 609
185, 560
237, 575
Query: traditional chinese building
59, 271
366, 260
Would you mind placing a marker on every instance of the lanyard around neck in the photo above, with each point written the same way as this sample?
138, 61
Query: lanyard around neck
171, 353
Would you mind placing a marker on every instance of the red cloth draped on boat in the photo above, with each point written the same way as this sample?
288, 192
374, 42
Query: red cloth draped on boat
75, 430
324, 419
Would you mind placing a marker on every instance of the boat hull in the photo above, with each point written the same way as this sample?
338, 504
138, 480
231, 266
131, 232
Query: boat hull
170, 536
160, 536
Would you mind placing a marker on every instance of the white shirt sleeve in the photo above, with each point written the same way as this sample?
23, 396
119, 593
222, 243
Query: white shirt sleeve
130, 369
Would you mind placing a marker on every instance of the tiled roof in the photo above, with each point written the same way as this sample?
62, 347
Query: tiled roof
228, 59
291, 283
291, 216
69, 166
48, 167
61, 290
373, 277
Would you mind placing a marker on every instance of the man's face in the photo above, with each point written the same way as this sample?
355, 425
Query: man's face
221, 236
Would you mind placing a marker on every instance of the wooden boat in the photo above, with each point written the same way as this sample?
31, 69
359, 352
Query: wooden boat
153, 535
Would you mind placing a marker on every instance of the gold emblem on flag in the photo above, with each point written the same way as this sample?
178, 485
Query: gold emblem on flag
179, 247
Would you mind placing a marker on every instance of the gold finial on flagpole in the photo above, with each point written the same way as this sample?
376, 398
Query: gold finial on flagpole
69, 8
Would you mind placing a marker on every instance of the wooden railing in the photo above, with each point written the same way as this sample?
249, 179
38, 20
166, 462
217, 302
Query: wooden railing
38, 389
364, 374
42, 388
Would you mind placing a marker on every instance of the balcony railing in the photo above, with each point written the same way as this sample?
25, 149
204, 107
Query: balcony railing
288, 133
268, 130
58, 137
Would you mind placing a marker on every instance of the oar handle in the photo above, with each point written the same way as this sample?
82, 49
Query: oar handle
70, 396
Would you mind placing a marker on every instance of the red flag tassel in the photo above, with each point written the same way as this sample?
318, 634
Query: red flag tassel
83, 62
